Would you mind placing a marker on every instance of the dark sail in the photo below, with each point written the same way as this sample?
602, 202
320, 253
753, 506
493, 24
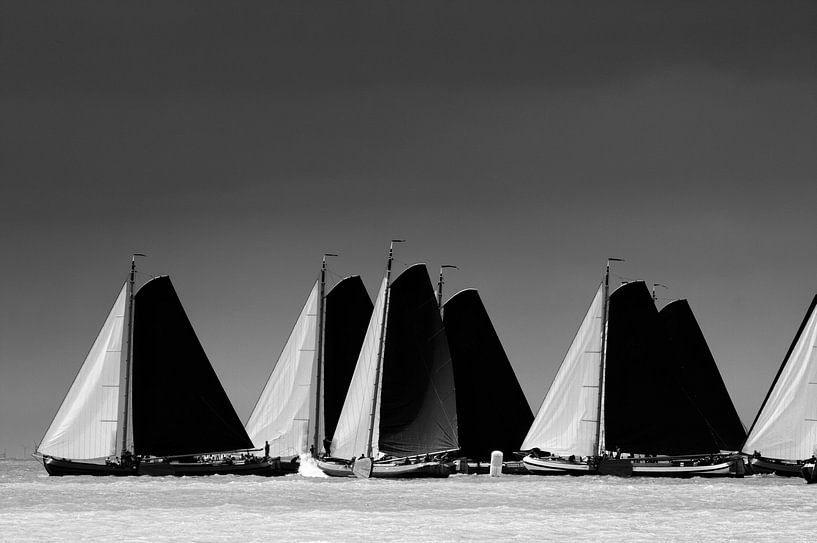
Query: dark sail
418, 411
348, 309
492, 412
179, 405
700, 376
646, 409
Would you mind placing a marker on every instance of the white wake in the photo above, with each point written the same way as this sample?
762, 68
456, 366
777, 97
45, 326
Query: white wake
309, 467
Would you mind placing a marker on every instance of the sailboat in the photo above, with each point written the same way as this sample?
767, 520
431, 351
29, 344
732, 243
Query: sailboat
783, 436
299, 407
146, 401
399, 417
621, 402
492, 411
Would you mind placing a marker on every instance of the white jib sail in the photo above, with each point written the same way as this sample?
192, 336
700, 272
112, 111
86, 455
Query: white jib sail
786, 429
352, 433
84, 428
567, 422
284, 411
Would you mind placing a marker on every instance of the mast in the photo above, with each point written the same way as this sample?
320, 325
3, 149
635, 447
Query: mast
381, 347
317, 445
604, 312
128, 355
440, 284
654, 295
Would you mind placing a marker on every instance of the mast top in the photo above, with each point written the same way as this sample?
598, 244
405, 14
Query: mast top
133, 261
325, 256
654, 297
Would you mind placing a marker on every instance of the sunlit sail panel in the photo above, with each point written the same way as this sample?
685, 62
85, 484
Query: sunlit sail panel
786, 427
567, 422
282, 415
86, 423
351, 438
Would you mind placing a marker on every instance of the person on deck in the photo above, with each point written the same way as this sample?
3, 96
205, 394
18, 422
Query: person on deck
266, 450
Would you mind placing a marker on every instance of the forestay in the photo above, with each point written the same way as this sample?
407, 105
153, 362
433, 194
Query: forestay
786, 427
282, 414
352, 432
85, 425
567, 422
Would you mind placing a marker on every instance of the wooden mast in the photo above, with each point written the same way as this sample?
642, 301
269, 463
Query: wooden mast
440, 284
128, 356
381, 347
317, 444
604, 312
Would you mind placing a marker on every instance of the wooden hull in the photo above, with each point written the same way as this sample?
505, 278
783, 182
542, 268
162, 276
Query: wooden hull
483, 468
265, 468
630, 468
290, 465
428, 470
556, 466
59, 467
722, 469
781, 468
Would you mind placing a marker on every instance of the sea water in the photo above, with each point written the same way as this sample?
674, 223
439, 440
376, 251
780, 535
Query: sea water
36, 507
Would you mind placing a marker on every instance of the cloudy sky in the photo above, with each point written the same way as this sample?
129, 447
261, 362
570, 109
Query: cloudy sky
522, 141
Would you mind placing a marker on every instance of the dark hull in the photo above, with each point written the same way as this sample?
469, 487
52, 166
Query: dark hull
422, 470
59, 467
290, 466
198, 469
778, 467
471, 467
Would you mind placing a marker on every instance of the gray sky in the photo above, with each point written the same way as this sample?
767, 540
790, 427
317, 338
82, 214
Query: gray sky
524, 142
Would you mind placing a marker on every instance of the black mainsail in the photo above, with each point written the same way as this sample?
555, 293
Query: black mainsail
492, 411
347, 313
646, 407
700, 376
401, 400
179, 405
418, 411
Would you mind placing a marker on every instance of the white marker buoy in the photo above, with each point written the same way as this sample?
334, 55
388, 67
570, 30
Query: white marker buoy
496, 464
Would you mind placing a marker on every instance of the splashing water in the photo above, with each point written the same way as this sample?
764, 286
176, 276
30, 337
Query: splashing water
309, 467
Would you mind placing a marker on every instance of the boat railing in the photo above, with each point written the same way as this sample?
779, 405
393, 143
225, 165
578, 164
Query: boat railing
430, 455
208, 453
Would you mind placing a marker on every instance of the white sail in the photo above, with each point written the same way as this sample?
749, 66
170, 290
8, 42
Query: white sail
85, 426
284, 411
567, 422
352, 433
786, 428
